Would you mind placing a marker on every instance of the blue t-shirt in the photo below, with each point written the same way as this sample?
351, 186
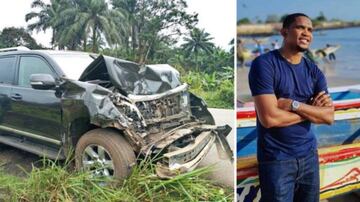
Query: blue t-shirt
270, 73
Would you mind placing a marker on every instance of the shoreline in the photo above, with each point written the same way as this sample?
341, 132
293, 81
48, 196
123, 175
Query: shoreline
243, 90
270, 29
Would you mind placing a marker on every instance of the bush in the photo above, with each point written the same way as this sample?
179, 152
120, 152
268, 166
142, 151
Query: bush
226, 91
217, 89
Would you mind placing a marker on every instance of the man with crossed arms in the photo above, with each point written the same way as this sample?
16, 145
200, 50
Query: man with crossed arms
290, 93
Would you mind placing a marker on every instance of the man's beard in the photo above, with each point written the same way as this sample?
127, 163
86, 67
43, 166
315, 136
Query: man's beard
300, 49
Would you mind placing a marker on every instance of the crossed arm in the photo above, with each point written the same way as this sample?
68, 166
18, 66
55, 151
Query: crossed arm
277, 113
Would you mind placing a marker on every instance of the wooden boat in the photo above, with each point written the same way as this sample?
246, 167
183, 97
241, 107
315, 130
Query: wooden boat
339, 148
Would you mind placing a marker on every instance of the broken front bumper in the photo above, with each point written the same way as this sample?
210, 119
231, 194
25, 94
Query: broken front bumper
179, 160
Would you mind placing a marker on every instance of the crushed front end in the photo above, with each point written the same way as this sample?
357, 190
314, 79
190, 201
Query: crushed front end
185, 153
179, 130
155, 112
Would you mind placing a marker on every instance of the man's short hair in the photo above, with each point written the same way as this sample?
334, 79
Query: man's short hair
289, 19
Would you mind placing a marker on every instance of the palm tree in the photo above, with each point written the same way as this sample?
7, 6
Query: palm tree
99, 43
128, 7
94, 18
47, 17
199, 41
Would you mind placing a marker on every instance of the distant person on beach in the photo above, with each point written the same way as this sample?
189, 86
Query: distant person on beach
290, 94
240, 49
332, 54
275, 45
259, 48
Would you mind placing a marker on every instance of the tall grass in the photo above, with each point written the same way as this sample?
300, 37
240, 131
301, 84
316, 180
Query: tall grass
56, 182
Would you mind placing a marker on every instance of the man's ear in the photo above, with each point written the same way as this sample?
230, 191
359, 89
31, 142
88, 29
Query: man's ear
283, 32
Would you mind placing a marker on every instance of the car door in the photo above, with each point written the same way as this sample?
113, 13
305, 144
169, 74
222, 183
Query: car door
7, 76
37, 113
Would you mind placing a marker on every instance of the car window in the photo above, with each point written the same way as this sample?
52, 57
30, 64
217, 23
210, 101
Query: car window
32, 65
7, 70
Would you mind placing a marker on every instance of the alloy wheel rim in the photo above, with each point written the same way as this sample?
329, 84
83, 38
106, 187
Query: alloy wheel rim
97, 160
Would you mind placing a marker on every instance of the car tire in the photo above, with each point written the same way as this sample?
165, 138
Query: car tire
105, 153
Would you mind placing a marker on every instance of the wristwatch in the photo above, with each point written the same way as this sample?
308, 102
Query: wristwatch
295, 105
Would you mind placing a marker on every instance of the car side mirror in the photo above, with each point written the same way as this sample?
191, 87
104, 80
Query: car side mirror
42, 81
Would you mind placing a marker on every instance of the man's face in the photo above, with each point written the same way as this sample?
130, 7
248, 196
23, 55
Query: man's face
299, 34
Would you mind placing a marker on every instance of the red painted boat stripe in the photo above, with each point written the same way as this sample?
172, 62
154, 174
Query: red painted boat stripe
346, 105
245, 173
246, 114
339, 155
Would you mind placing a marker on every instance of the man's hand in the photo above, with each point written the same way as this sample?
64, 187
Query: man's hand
284, 104
322, 100
270, 114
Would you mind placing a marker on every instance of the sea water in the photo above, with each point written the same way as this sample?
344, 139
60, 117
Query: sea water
347, 62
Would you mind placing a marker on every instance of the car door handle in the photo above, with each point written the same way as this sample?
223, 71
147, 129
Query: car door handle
16, 96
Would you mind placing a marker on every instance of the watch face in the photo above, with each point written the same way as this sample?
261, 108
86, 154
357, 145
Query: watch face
295, 105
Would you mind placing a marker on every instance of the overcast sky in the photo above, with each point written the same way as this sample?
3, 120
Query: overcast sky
217, 17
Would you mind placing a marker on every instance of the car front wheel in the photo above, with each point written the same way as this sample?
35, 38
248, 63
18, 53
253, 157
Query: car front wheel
104, 152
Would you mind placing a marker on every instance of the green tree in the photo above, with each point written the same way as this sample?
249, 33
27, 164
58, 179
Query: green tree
221, 58
198, 41
92, 18
154, 22
12, 37
321, 17
75, 21
98, 44
243, 21
44, 16
129, 36
47, 17
211, 62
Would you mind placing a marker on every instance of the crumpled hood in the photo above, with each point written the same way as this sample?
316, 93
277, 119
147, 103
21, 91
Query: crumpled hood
129, 77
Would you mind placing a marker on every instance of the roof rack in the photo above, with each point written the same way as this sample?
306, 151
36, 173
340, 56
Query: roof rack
18, 48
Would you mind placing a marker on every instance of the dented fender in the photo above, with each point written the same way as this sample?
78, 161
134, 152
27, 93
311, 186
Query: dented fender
100, 105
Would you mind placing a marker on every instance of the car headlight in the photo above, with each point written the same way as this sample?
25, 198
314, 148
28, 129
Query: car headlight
185, 99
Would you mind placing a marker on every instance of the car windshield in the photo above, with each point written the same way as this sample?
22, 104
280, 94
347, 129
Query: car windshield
74, 64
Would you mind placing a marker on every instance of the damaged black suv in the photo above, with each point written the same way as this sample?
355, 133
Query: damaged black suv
105, 109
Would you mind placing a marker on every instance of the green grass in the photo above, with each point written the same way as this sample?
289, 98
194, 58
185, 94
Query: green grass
55, 182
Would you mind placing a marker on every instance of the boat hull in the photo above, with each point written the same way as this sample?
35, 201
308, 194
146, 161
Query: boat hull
339, 173
338, 147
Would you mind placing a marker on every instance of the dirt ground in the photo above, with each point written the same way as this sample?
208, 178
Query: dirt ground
17, 162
